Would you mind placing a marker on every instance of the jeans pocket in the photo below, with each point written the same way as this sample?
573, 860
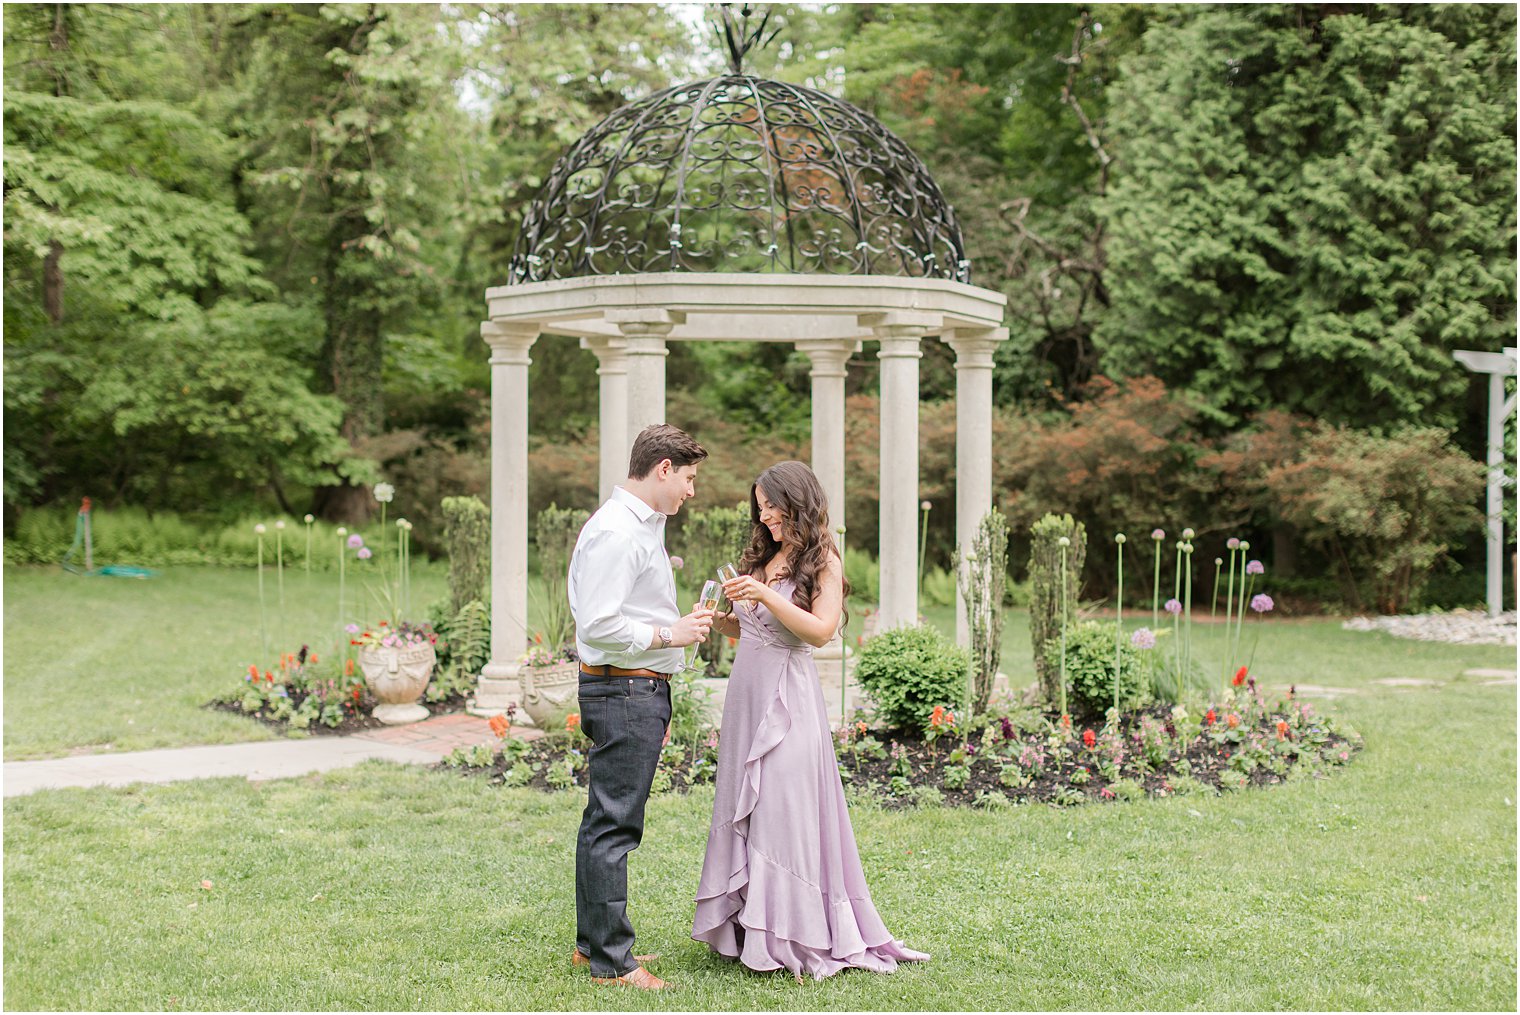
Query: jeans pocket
641, 688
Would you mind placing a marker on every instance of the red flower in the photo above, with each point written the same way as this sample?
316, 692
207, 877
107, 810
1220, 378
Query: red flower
1209, 718
1089, 738
269, 676
1240, 676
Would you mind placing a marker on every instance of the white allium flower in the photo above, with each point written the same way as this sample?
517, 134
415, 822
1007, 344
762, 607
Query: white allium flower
342, 530
384, 492
259, 528
1063, 541
309, 519
1119, 539
925, 506
280, 524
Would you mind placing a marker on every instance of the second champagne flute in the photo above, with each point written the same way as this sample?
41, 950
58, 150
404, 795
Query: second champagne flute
728, 573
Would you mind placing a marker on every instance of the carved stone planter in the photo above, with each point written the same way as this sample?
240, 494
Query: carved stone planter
550, 693
397, 677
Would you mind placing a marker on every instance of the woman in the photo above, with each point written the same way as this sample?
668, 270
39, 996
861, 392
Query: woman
782, 885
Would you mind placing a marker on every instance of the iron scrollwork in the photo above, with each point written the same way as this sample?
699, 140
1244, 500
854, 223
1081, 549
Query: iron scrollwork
739, 173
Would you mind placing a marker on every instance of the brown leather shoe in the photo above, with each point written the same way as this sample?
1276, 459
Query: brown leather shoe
580, 958
638, 977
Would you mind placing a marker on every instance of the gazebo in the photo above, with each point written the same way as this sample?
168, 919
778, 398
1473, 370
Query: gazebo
739, 209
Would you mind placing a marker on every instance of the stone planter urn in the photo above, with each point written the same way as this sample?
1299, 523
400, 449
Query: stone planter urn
549, 692
397, 677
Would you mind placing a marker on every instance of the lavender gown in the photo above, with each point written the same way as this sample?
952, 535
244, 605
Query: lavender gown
782, 885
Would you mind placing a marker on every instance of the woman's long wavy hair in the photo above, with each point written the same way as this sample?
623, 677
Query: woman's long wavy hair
793, 489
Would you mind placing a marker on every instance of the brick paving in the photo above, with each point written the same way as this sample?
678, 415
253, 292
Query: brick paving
441, 734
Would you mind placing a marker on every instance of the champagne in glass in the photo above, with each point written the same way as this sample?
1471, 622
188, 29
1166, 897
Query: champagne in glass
712, 592
728, 573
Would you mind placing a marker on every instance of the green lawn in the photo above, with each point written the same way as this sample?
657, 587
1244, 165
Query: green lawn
1389, 885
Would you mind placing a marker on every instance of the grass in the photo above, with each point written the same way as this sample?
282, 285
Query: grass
1390, 885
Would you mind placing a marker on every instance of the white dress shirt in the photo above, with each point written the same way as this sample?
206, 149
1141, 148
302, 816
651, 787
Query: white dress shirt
621, 587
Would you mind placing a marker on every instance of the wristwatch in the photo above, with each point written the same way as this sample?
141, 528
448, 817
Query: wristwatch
665, 637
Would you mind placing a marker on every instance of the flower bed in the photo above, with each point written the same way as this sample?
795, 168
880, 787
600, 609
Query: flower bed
1019, 757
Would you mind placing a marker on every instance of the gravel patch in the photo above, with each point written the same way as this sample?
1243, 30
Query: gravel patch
1459, 627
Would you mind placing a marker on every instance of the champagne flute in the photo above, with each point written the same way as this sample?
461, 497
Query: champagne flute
728, 573
712, 592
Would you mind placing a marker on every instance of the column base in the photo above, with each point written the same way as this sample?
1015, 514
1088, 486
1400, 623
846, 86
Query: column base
498, 687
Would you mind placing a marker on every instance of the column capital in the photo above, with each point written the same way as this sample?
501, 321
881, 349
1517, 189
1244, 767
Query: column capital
828, 355
974, 346
509, 341
611, 353
650, 322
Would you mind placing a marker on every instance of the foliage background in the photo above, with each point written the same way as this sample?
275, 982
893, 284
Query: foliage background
245, 247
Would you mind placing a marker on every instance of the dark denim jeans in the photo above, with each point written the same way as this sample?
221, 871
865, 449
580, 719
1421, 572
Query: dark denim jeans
625, 717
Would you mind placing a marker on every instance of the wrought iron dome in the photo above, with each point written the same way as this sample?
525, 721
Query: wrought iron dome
739, 174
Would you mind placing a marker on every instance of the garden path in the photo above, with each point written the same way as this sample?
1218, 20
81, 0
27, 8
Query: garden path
423, 743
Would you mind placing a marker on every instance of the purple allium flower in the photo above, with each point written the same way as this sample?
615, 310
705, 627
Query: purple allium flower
352, 629
1158, 534
1173, 607
355, 541
677, 562
1254, 567
1143, 638
364, 553
1262, 603
1232, 543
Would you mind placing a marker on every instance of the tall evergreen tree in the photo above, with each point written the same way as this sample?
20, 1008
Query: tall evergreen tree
1313, 207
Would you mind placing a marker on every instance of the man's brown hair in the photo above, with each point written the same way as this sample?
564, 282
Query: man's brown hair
660, 441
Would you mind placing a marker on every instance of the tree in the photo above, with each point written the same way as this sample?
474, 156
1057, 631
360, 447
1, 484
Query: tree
1313, 208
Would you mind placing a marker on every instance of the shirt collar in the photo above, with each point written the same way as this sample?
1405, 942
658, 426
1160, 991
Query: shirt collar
643, 512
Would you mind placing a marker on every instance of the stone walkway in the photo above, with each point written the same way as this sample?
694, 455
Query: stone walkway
1459, 627
422, 743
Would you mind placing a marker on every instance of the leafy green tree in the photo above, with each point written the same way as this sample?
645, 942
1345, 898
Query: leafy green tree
1313, 208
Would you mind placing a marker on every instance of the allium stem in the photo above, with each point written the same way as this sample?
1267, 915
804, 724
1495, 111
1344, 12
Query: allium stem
1187, 612
1063, 630
1214, 603
1119, 625
1229, 606
263, 630
1156, 590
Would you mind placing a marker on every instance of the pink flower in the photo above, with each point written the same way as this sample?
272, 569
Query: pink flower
1143, 638
1232, 543
364, 553
677, 562
355, 541
1254, 567
1158, 534
1262, 603
1173, 607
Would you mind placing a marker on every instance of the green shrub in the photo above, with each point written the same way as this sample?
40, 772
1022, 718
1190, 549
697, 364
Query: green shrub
1090, 668
909, 670
864, 574
983, 583
1047, 605
467, 533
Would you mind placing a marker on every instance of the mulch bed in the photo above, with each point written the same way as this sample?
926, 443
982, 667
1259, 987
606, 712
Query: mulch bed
353, 722
1209, 766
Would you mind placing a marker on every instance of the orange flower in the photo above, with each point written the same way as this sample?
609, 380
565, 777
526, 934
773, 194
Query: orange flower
860, 727
314, 659
1282, 730
499, 726
253, 672
269, 676
1240, 677
348, 667
572, 721
1232, 720
1066, 722
937, 717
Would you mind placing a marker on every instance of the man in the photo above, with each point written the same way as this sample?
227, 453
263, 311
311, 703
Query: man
630, 635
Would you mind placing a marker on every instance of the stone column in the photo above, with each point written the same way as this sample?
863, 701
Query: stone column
645, 332
828, 357
899, 333
498, 686
973, 443
612, 369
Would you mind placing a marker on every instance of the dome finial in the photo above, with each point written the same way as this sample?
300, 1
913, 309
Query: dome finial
738, 36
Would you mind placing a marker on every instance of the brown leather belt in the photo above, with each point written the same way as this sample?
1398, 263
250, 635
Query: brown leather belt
618, 671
